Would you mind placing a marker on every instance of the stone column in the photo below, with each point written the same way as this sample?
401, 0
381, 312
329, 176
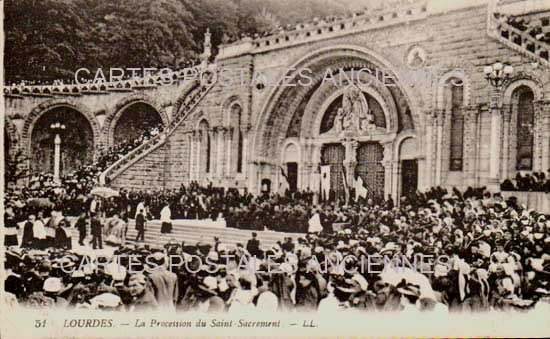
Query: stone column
246, 133
546, 137
506, 131
228, 142
494, 162
538, 136
350, 161
430, 150
316, 170
440, 121
304, 166
194, 144
219, 151
391, 171
213, 151
57, 157
199, 169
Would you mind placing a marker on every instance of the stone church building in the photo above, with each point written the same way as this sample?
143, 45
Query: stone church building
399, 97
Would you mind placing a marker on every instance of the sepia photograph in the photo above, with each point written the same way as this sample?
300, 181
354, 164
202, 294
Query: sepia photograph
275, 168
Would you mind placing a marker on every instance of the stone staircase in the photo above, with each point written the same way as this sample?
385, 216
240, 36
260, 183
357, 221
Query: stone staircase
182, 108
193, 234
520, 41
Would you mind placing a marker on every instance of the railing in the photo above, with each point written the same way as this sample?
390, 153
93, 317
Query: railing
190, 102
519, 41
102, 87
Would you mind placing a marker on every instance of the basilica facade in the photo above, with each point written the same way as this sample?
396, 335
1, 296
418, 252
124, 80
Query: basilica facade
419, 95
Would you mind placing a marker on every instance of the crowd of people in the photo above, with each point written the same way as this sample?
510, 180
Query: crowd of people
497, 258
315, 22
111, 155
126, 76
529, 182
533, 27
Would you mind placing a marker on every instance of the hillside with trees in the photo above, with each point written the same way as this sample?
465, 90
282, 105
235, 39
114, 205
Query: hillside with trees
51, 39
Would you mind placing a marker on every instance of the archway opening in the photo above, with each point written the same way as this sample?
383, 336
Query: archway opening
77, 141
136, 120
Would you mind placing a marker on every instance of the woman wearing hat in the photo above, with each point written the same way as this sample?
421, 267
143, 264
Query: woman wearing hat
142, 297
308, 292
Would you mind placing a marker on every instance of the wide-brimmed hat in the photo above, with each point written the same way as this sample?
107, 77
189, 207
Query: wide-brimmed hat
106, 300
389, 247
53, 285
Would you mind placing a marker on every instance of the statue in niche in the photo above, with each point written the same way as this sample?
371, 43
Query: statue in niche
354, 113
338, 121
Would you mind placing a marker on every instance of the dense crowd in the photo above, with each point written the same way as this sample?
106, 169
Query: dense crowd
533, 27
535, 182
497, 257
111, 155
315, 22
73, 188
151, 72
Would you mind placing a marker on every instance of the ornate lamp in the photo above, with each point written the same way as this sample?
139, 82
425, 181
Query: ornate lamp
57, 128
498, 73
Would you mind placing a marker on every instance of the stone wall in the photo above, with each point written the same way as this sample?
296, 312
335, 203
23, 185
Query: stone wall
148, 172
452, 39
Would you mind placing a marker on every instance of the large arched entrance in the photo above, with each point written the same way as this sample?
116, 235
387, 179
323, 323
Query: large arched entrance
77, 141
133, 121
349, 116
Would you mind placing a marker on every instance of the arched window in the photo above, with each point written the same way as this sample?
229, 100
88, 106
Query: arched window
455, 105
525, 124
204, 146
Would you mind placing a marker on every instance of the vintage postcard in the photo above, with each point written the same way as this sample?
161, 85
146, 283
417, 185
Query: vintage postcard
275, 168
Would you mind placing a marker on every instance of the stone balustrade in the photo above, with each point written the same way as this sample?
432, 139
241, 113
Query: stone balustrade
322, 29
94, 88
520, 41
189, 103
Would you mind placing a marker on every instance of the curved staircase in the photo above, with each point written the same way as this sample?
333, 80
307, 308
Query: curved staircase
183, 107
518, 40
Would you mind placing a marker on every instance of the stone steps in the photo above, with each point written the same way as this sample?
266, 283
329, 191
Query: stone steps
193, 234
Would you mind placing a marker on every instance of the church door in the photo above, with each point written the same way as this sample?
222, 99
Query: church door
292, 174
409, 177
369, 167
333, 155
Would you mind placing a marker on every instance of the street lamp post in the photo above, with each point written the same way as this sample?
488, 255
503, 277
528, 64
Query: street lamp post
57, 128
497, 75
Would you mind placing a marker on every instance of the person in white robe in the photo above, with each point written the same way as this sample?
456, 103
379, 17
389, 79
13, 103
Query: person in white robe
165, 219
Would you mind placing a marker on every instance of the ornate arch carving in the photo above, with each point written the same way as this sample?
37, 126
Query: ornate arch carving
520, 80
323, 97
337, 56
112, 118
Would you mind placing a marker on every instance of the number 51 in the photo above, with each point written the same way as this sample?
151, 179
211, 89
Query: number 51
40, 323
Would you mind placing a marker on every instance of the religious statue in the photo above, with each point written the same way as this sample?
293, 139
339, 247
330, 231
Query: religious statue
354, 115
338, 121
357, 109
